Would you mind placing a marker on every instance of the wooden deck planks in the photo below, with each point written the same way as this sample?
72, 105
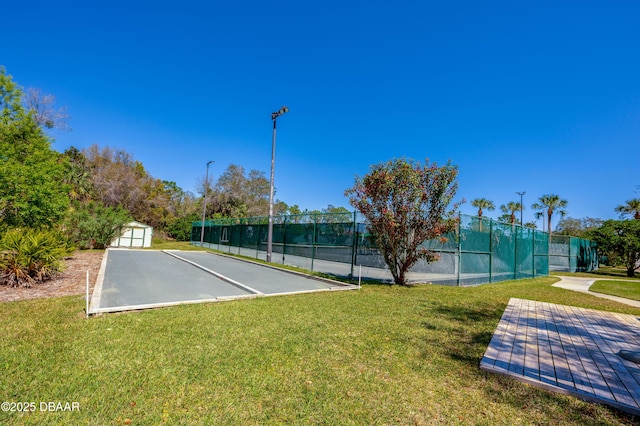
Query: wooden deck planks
531, 356
549, 366
608, 337
568, 349
501, 343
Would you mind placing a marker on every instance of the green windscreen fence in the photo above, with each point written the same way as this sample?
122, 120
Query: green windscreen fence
571, 254
479, 251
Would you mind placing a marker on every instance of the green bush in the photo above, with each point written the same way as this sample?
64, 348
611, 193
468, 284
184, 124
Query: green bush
180, 227
92, 225
29, 256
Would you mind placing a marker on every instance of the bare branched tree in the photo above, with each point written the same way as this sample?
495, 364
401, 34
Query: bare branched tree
44, 110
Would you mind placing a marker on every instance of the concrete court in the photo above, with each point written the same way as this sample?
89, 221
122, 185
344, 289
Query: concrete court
140, 279
263, 279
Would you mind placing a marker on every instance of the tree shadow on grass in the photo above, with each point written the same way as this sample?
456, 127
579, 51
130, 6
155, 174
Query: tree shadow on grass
468, 329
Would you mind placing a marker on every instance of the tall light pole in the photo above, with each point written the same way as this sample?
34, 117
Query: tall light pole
521, 205
204, 203
274, 116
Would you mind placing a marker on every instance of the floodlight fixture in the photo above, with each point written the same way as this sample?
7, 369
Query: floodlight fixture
278, 113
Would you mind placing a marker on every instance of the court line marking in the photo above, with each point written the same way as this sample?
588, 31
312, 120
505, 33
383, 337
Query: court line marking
278, 268
216, 274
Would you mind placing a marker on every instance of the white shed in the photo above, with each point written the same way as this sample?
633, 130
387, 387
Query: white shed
134, 234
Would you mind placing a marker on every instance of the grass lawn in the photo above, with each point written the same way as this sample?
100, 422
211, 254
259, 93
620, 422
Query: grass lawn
381, 355
627, 289
605, 271
174, 245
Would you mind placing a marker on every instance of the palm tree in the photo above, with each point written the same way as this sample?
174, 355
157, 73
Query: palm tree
631, 207
510, 209
482, 203
550, 204
78, 175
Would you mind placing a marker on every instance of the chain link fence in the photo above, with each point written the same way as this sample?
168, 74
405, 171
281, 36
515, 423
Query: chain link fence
478, 251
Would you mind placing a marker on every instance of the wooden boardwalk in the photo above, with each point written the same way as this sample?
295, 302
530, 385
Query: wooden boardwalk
569, 350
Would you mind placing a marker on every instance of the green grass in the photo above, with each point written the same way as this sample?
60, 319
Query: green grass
606, 271
173, 245
626, 289
380, 355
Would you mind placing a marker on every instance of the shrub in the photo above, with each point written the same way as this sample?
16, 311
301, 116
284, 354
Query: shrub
29, 256
92, 225
180, 227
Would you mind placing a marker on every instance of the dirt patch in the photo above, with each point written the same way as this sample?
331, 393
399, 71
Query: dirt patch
73, 280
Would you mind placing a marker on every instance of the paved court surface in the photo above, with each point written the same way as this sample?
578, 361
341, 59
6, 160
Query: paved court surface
140, 279
262, 279
569, 350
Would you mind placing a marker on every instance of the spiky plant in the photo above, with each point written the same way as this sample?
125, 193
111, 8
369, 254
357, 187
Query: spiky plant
29, 256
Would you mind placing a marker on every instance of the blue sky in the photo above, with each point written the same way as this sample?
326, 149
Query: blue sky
542, 97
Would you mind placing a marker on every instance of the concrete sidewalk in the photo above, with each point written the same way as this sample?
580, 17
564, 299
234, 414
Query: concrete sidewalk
582, 285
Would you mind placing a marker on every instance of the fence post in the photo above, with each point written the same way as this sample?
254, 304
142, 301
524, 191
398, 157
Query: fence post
459, 246
354, 244
548, 253
533, 252
313, 240
284, 236
219, 229
515, 252
570, 237
258, 241
490, 250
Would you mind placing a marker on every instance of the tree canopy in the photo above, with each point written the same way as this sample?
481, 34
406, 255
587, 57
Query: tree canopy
509, 212
30, 171
630, 208
406, 203
483, 204
42, 106
237, 193
620, 241
577, 227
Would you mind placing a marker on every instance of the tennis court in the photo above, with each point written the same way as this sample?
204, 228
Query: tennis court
143, 279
